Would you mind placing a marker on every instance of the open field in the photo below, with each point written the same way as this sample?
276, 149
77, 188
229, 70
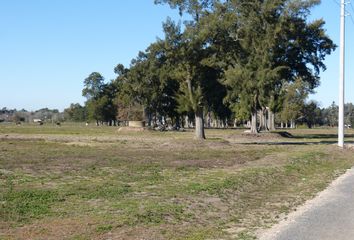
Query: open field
77, 182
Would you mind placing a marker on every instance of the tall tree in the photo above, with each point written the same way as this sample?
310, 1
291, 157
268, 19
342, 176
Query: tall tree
100, 102
93, 86
75, 112
332, 115
253, 78
312, 114
295, 95
190, 53
276, 45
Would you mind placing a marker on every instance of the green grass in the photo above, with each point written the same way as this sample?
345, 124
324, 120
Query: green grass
157, 185
25, 205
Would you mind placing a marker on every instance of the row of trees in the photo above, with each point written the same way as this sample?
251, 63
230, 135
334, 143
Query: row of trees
243, 59
310, 114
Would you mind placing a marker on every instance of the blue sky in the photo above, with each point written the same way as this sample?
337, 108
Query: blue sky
48, 47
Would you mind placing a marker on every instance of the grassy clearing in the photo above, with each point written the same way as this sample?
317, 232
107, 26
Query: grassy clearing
74, 182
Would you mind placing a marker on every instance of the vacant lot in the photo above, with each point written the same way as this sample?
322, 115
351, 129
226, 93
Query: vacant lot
77, 182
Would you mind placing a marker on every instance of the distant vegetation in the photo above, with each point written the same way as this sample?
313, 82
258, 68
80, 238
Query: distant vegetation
310, 114
18, 116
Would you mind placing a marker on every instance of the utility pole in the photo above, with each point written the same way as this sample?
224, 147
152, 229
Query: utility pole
341, 76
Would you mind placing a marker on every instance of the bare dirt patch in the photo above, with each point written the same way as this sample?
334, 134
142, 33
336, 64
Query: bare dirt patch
52, 229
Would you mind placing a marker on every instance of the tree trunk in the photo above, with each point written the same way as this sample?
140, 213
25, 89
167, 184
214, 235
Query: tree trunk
292, 122
262, 120
199, 124
209, 120
254, 122
178, 123
271, 120
186, 122
155, 120
149, 118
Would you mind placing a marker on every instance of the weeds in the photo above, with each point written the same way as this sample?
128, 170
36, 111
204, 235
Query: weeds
24, 205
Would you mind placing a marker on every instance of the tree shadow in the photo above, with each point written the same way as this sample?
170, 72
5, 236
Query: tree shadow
296, 143
312, 136
329, 139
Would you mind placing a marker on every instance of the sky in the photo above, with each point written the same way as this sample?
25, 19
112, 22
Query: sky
48, 48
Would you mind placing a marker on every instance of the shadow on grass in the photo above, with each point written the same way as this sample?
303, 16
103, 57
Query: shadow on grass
306, 137
296, 143
325, 136
312, 136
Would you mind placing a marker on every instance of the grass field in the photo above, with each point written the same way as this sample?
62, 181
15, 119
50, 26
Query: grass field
77, 182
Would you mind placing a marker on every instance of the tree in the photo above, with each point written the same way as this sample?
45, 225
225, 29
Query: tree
312, 114
109, 95
76, 113
190, 53
252, 77
93, 86
332, 115
295, 95
276, 45
101, 97
349, 114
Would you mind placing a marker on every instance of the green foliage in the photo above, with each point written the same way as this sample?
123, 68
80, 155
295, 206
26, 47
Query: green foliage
349, 114
331, 115
294, 100
93, 85
192, 7
312, 114
148, 85
75, 113
101, 97
274, 45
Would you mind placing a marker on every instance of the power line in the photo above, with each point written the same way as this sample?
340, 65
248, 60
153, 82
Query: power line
350, 14
336, 2
351, 18
351, 6
347, 13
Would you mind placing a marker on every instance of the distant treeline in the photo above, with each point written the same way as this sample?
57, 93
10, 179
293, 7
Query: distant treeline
308, 113
44, 114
